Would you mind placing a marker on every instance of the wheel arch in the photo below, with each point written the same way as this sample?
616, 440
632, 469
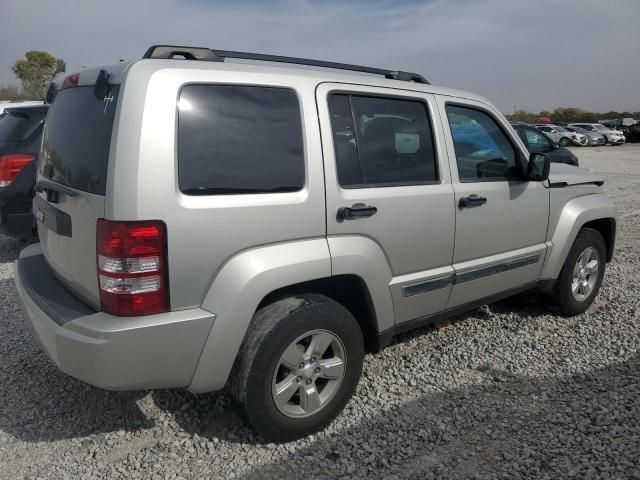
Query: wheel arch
593, 211
257, 277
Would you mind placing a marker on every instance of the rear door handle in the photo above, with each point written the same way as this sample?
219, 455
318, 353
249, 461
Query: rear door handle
472, 200
358, 210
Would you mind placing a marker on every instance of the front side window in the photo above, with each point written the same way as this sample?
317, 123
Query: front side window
239, 140
381, 141
483, 150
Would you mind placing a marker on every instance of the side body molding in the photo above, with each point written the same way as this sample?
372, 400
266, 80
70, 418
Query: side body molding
361, 256
236, 292
575, 214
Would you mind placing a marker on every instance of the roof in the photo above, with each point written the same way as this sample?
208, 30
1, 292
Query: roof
317, 74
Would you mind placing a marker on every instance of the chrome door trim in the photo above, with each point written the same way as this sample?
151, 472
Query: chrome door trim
424, 286
501, 267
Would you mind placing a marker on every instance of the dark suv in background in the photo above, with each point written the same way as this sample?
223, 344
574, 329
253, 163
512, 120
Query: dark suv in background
20, 136
537, 142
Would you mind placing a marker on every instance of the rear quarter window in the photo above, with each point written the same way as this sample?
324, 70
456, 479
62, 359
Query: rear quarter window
236, 139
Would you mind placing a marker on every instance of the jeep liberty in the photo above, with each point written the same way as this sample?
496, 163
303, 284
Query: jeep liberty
258, 226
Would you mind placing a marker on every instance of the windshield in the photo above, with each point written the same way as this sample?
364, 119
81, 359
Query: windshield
602, 128
560, 129
77, 139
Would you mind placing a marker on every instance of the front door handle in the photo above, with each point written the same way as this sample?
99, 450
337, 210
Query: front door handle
358, 210
472, 200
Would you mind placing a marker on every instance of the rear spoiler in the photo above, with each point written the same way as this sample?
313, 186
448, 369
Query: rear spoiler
101, 88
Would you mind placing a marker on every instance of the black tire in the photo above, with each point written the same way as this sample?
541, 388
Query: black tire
565, 142
563, 295
272, 330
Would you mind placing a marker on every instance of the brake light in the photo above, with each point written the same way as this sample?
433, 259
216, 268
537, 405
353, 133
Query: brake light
71, 80
11, 165
132, 267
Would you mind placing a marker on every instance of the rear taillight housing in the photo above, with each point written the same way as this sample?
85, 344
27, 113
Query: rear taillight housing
11, 165
132, 267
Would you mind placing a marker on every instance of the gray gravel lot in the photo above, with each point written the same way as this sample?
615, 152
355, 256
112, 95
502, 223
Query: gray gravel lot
506, 391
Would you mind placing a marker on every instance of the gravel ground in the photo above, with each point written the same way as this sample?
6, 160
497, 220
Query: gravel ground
507, 391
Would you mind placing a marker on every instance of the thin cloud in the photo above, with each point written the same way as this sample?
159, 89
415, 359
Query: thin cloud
536, 55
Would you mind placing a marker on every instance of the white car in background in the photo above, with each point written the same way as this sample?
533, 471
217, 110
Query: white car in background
563, 136
614, 137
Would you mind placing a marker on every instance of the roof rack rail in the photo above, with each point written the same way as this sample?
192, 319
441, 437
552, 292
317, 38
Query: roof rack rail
208, 54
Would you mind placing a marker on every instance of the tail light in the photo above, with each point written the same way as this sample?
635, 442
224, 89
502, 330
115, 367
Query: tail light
11, 166
132, 267
71, 80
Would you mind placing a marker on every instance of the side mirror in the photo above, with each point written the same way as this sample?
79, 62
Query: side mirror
538, 167
556, 145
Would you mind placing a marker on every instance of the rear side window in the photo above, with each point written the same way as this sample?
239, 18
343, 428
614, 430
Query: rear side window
19, 125
238, 140
381, 141
77, 139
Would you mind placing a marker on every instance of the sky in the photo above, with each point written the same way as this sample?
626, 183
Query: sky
526, 54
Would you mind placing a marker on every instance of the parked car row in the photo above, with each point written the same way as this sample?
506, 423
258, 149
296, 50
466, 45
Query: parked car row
580, 134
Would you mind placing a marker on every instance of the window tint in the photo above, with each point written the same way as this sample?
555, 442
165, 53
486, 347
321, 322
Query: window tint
77, 139
483, 150
390, 142
18, 125
239, 139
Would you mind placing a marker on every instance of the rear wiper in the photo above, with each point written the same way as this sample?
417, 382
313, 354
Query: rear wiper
49, 186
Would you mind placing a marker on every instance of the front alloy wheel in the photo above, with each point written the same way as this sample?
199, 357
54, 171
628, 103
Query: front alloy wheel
585, 274
582, 273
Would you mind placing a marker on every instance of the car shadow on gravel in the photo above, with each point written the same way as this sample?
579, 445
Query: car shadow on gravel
505, 426
40, 403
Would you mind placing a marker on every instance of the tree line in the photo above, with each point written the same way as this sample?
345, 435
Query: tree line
569, 115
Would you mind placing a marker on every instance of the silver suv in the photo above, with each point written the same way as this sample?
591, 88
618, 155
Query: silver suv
207, 224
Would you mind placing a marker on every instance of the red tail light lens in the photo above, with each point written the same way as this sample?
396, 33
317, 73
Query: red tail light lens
132, 267
11, 166
71, 80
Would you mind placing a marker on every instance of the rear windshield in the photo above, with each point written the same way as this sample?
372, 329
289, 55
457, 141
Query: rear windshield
77, 138
16, 126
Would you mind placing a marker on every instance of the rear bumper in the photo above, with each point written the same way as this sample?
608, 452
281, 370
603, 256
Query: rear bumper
115, 353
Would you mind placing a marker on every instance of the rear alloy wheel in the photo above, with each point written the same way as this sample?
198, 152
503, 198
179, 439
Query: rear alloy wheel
582, 273
565, 142
308, 374
298, 366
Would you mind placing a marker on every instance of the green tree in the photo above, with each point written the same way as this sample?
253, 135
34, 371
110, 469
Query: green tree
37, 71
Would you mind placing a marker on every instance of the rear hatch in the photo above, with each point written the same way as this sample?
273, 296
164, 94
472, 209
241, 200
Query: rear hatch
72, 177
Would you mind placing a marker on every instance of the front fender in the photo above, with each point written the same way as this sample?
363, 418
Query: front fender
574, 215
236, 293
